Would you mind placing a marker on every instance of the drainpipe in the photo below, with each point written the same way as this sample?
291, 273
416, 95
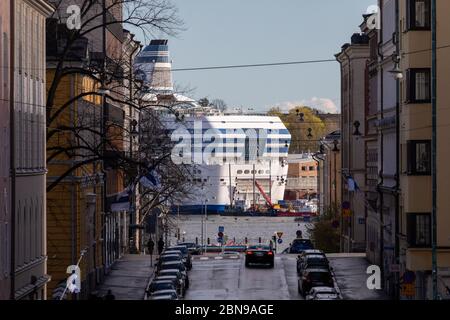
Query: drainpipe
381, 161
397, 154
434, 151
12, 149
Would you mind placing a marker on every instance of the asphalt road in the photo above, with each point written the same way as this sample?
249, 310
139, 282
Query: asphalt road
229, 279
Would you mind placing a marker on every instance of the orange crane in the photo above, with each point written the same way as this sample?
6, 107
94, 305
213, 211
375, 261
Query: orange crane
261, 190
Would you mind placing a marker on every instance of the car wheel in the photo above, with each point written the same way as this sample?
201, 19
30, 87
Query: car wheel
298, 288
247, 264
272, 265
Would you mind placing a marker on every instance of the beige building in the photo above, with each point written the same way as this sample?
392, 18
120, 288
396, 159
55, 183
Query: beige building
416, 144
330, 173
353, 59
302, 177
23, 253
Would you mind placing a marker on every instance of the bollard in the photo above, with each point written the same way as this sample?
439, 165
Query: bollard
196, 240
259, 239
246, 240
208, 241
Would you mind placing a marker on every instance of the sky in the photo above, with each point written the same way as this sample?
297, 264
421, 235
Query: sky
230, 32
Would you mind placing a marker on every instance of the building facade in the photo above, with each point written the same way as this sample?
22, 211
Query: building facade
415, 219
353, 59
22, 169
86, 224
330, 173
302, 177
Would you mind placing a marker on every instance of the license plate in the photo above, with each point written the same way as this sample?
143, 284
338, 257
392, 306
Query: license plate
259, 254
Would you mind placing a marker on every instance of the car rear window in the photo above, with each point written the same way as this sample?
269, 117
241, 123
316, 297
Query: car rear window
259, 248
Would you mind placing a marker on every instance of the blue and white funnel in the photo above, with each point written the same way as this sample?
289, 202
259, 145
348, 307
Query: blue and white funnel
154, 67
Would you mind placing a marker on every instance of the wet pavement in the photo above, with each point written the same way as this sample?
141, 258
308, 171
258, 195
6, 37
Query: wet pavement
229, 279
128, 278
351, 277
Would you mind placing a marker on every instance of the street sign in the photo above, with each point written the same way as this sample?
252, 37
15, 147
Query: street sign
347, 213
279, 234
280, 241
346, 205
409, 277
408, 290
221, 229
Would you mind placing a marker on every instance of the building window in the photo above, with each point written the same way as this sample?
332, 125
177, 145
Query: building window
419, 158
419, 14
311, 168
304, 169
419, 230
418, 86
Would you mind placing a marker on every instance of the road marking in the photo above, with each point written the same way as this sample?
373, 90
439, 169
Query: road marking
204, 258
218, 258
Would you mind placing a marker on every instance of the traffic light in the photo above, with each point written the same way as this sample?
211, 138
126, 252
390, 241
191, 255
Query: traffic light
274, 238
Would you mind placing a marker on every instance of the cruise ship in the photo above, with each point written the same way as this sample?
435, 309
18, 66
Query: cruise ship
247, 171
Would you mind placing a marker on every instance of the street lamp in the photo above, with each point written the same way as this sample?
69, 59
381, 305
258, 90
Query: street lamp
300, 115
134, 132
397, 73
336, 148
357, 124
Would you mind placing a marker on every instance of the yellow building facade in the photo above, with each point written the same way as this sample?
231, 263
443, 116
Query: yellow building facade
415, 138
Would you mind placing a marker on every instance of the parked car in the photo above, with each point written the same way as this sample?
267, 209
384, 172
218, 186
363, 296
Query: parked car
323, 293
193, 248
163, 297
156, 285
175, 281
168, 258
179, 275
259, 254
300, 245
178, 265
312, 261
165, 293
185, 252
316, 277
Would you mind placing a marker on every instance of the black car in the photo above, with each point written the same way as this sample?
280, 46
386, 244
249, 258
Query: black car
300, 245
168, 258
316, 277
185, 252
259, 254
175, 281
179, 265
181, 277
312, 261
193, 248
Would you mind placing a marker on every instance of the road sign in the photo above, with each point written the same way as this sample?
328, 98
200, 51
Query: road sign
346, 205
409, 277
220, 240
279, 234
347, 213
221, 229
280, 241
220, 234
408, 290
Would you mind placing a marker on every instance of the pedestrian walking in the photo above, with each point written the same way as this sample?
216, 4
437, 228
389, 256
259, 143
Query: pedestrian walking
160, 245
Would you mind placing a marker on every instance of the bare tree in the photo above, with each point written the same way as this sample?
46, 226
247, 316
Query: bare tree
89, 127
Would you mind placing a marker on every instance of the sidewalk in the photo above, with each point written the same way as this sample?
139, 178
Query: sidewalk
128, 278
351, 277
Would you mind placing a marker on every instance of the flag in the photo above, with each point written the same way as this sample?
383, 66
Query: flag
122, 201
352, 185
151, 180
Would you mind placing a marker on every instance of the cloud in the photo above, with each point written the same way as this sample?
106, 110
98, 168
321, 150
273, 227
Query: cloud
323, 104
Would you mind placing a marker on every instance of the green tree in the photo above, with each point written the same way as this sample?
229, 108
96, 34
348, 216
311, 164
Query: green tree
305, 126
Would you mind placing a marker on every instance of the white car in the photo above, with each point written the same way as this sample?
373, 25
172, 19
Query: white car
323, 293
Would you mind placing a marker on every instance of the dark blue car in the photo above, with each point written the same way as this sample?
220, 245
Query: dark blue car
300, 245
